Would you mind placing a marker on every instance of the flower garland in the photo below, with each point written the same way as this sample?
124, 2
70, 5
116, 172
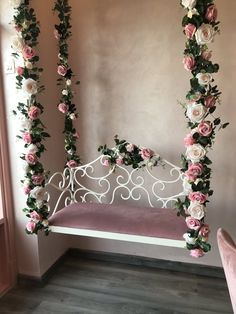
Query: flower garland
62, 33
32, 129
128, 154
200, 27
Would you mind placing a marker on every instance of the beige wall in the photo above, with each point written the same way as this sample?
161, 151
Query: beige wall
128, 55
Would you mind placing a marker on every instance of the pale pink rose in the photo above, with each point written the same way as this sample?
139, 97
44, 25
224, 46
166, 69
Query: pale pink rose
197, 197
31, 226
56, 34
77, 135
62, 107
190, 30
211, 13
194, 170
207, 54
61, 70
28, 53
18, 28
106, 162
189, 62
197, 253
37, 179
192, 223
130, 147
205, 128
210, 101
35, 216
26, 189
189, 140
146, 153
204, 231
119, 161
19, 70
34, 112
72, 163
31, 158
27, 137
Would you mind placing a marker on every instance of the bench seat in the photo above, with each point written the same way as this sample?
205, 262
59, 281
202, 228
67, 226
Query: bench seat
158, 226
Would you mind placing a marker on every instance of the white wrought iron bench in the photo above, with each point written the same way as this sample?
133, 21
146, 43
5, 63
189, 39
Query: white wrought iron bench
134, 205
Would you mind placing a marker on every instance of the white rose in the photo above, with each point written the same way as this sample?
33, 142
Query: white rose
39, 203
196, 112
37, 193
16, 3
72, 116
204, 34
17, 43
29, 86
189, 4
29, 65
196, 210
187, 186
45, 223
32, 148
64, 92
189, 239
25, 166
204, 78
195, 153
26, 183
68, 82
26, 123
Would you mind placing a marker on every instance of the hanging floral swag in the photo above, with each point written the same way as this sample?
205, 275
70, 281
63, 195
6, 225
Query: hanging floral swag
200, 27
128, 154
32, 129
66, 106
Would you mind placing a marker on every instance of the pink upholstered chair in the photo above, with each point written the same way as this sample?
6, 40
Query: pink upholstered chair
227, 249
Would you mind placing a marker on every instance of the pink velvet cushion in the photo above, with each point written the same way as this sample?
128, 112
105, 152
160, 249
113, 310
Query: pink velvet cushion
153, 222
227, 249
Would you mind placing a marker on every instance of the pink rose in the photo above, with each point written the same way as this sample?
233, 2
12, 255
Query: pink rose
106, 162
19, 70
28, 53
56, 34
197, 252
31, 158
146, 153
37, 179
18, 28
189, 62
204, 231
62, 107
61, 70
26, 189
31, 226
77, 135
119, 161
130, 147
34, 112
192, 223
211, 13
210, 101
190, 30
205, 128
194, 170
189, 140
72, 163
207, 55
197, 197
27, 137
35, 216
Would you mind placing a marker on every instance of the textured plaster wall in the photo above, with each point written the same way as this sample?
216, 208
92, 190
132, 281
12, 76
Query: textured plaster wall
128, 55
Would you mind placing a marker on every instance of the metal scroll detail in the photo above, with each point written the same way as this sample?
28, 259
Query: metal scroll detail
94, 182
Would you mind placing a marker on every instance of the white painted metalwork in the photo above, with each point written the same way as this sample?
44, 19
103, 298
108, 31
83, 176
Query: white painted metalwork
98, 183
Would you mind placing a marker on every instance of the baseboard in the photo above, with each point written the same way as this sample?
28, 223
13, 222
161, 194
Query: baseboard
201, 270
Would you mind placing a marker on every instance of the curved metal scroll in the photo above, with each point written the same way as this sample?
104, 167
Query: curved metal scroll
94, 182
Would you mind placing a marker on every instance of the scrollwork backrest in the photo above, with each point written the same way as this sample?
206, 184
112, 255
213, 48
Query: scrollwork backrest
94, 182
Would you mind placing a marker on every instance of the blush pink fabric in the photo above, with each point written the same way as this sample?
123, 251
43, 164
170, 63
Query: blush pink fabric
227, 249
126, 219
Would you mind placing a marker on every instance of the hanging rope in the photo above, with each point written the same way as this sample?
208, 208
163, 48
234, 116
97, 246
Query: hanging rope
32, 130
66, 106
